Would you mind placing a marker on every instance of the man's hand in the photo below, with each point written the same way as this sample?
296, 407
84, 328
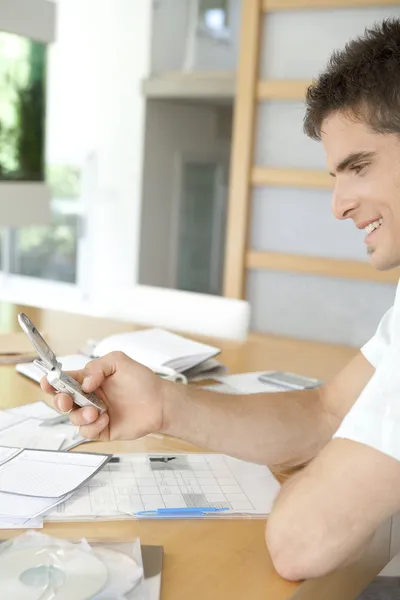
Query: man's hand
275, 429
132, 393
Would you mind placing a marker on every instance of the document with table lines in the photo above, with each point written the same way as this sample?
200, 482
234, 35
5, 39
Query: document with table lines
141, 482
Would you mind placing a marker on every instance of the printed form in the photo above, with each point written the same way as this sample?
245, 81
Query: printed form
142, 482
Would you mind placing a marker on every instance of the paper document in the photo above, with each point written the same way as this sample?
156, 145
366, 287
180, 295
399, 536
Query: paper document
7, 419
29, 434
142, 482
31, 524
47, 474
35, 410
39, 427
19, 509
34, 481
7, 453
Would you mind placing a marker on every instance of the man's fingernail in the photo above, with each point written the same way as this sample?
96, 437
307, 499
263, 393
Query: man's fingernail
57, 403
87, 417
86, 382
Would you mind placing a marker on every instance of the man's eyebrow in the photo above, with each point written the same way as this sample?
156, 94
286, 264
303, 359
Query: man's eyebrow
352, 159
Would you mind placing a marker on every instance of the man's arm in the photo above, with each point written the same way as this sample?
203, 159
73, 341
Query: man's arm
326, 512
277, 429
280, 430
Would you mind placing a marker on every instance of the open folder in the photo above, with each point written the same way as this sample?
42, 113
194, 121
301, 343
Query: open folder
154, 348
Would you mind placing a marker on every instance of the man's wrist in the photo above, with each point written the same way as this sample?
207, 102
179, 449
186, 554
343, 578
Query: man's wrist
175, 399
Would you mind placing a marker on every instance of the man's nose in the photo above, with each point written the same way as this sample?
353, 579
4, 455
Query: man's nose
344, 202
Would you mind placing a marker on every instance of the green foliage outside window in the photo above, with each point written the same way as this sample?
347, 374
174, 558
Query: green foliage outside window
22, 108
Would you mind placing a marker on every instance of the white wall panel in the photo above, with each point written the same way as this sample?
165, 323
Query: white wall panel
297, 44
326, 309
280, 141
301, 222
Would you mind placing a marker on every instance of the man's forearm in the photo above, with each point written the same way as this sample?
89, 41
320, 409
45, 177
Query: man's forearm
278, 429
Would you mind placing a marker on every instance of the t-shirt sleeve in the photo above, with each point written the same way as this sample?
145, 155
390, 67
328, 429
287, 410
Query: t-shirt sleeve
375, 348
374, 419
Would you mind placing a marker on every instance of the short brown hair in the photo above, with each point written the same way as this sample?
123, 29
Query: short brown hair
363, 80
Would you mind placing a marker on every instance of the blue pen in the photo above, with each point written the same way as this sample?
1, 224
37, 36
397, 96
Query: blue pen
195, 510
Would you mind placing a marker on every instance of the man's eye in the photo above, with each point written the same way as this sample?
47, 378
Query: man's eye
358, 168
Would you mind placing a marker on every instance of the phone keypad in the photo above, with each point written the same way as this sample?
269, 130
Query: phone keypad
72, 383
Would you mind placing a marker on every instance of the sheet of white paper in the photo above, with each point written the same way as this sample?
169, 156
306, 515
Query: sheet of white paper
7, 419
71, 435
35, 410
16, 508
29, 434
7, 453
73, 443
188, 480
48, 474
248, 383
31, 524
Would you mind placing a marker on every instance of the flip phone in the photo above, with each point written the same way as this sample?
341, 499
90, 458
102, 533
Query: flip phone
50, 366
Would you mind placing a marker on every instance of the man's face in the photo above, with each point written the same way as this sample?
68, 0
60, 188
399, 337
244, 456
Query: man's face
366, 168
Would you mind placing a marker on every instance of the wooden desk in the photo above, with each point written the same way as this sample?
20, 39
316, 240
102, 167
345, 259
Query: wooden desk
203, 560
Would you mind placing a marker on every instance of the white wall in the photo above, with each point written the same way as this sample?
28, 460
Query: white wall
299, 221
172, 129
96, 109
170, 44
170, 22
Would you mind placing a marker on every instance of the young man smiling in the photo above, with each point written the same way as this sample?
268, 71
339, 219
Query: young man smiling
347, 432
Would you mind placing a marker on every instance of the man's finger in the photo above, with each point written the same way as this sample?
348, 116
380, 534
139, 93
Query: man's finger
63, 402
96, 371
84, 416
46, 387
96, 429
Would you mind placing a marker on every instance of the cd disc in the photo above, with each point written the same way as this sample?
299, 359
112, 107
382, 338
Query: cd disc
123, 571
25, 573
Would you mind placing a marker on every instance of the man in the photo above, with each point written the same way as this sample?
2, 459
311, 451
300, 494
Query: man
347, 433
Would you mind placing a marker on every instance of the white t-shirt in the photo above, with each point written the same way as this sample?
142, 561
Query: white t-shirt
374, 419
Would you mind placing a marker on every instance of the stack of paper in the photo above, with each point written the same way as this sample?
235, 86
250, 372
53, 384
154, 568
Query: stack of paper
37, 426
34, 481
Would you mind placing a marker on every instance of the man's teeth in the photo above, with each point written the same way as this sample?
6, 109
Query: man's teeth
370, 228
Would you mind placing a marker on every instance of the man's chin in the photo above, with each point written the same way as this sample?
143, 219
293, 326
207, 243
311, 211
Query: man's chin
382, 263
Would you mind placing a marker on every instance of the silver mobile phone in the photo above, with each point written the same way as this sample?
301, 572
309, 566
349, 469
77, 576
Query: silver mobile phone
50, 366
291, 381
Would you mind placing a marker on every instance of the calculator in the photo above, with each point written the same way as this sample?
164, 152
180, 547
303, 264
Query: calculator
291, 381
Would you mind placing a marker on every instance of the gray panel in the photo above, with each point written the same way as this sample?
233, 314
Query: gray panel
325, 309
301, 222
297, 44
280, 141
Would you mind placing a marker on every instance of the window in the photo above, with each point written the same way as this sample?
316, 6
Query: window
50, 252
201, 226
22, 108
213, 18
